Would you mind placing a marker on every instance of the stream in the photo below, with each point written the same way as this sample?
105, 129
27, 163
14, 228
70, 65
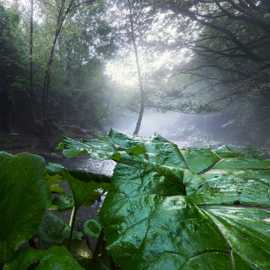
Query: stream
186, 129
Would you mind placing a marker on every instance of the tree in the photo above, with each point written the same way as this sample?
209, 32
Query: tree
79, 93
233, 38
134, 21
64, 9
11, 67
131, 6
31, 47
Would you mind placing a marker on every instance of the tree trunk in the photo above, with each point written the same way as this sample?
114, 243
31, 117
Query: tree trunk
31, 48
47, 78
31, 89
62, 14
139, 73
5, 111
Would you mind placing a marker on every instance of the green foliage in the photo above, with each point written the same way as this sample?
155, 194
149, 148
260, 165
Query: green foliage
78, 83
83, 192
54, 231
218, 221
78, 80
12, 67
24, 198
29, 213
62, 202
166, 208
12, 55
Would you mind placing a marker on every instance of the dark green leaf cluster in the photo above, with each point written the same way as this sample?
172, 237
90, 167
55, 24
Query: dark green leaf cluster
33, 234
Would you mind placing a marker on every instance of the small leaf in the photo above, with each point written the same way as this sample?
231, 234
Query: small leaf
63, 201
116, 156
137, 150
55, 168
54, 182
71, 153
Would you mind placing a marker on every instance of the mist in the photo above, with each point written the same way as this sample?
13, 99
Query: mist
119, 66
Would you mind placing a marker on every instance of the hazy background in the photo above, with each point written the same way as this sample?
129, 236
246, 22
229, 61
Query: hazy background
204, 66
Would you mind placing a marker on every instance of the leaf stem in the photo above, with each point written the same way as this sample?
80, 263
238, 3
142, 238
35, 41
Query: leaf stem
72, 223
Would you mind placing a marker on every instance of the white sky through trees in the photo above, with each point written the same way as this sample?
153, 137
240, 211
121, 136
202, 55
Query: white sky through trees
122, 68
21, 3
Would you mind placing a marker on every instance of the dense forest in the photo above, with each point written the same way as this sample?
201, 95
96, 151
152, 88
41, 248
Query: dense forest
77, 194
51, 66
72, 65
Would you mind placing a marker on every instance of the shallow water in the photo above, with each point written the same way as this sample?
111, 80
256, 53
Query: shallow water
185, 129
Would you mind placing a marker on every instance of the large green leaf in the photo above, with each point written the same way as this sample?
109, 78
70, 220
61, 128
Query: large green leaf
190, 209
171, 232
23, 199
155, 232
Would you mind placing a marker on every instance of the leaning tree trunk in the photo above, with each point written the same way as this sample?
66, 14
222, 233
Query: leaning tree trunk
47, 77
46, 83
139, 73
62, 14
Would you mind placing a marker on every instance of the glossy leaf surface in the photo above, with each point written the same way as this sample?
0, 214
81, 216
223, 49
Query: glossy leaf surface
185, 209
